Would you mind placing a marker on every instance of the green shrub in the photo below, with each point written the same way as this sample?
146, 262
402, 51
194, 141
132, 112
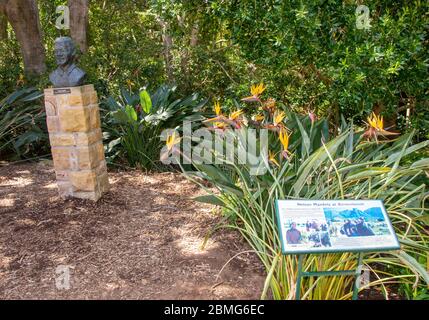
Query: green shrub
133, 125
349, 165
22, 125
314, 57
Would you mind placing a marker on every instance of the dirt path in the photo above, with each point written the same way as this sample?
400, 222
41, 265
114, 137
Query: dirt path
141, 241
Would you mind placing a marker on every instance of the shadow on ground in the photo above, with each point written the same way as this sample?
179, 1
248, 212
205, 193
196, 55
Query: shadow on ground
141, 241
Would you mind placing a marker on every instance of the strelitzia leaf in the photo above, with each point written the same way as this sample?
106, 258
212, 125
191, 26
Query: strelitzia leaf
367, 173
128, 98
145, 101
131, 113
315, 160
305, 139
423, 163
214, 173
232, 189
394, 157
210, 199
269, 276
413, 265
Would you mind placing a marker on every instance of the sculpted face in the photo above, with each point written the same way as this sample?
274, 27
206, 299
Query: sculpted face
63, 53
67, 74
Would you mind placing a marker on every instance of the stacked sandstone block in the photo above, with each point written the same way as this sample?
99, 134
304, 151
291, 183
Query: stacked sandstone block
75, 135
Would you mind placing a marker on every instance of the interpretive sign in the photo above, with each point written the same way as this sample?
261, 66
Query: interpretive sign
315, 226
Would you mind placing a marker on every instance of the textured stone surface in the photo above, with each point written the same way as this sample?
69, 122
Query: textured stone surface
88, 138
83, 180
53, 124
61, 157
73, 120
61, 139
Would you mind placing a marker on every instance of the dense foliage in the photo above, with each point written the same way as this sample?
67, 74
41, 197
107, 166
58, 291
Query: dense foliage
352, 122
316, 57
22, 125
305, 163
312, 55
133, 125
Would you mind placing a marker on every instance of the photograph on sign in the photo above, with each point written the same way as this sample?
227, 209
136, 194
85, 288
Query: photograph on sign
311, 226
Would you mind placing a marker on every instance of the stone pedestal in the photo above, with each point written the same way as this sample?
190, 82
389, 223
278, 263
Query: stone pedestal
75, 135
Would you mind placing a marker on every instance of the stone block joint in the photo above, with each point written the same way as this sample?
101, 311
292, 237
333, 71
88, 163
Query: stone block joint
73, 120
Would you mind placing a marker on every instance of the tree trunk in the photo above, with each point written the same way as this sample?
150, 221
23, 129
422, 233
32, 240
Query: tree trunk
79, 23
193, 41
3, 27
168, 44
194, 35
23, 15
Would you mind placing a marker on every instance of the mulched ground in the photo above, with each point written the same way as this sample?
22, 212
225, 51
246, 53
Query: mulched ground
141, 241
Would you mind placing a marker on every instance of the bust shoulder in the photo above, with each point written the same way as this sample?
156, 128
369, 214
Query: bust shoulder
72, 76
54, 74
76, 71
77, 75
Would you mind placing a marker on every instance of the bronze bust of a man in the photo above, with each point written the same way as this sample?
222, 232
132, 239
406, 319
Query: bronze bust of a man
67, 74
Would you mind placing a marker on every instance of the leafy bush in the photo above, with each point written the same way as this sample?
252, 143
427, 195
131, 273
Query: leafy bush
132, 126
311, 53
305, 163
314, 57
22, 124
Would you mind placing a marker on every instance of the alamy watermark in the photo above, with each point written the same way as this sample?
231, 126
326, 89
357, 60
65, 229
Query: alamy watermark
63, 20
362, 17
62, 279
364, 277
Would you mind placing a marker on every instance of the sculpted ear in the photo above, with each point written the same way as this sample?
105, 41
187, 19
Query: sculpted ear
73, 52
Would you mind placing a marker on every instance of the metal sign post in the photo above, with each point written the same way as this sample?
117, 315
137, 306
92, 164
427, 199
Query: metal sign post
333, 226
356, 273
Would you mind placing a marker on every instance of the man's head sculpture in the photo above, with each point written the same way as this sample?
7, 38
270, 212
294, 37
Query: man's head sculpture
65, 50
67, 74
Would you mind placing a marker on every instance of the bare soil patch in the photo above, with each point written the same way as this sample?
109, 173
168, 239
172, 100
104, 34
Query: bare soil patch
140, 241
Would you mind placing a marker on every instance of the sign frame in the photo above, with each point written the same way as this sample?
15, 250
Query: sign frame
356, 273
285, 251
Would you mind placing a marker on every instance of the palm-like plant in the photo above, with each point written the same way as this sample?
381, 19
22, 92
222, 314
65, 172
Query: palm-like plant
312, 166
132, 125
22, 123
343, 168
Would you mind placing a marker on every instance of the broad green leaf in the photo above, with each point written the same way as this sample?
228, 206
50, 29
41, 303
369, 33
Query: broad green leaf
210, 199
413, 265
213, 172
232, 189
367, 173
315, 160
145, 101
112, 144
127, 96
305, 139
394, 157
131, 113
422, 163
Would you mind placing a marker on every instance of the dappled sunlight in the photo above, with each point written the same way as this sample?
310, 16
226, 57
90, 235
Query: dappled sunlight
5, 202
144, 233
193, 245
18, 182
27, 172
214, 150
25, 222
50, 186
4, 261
